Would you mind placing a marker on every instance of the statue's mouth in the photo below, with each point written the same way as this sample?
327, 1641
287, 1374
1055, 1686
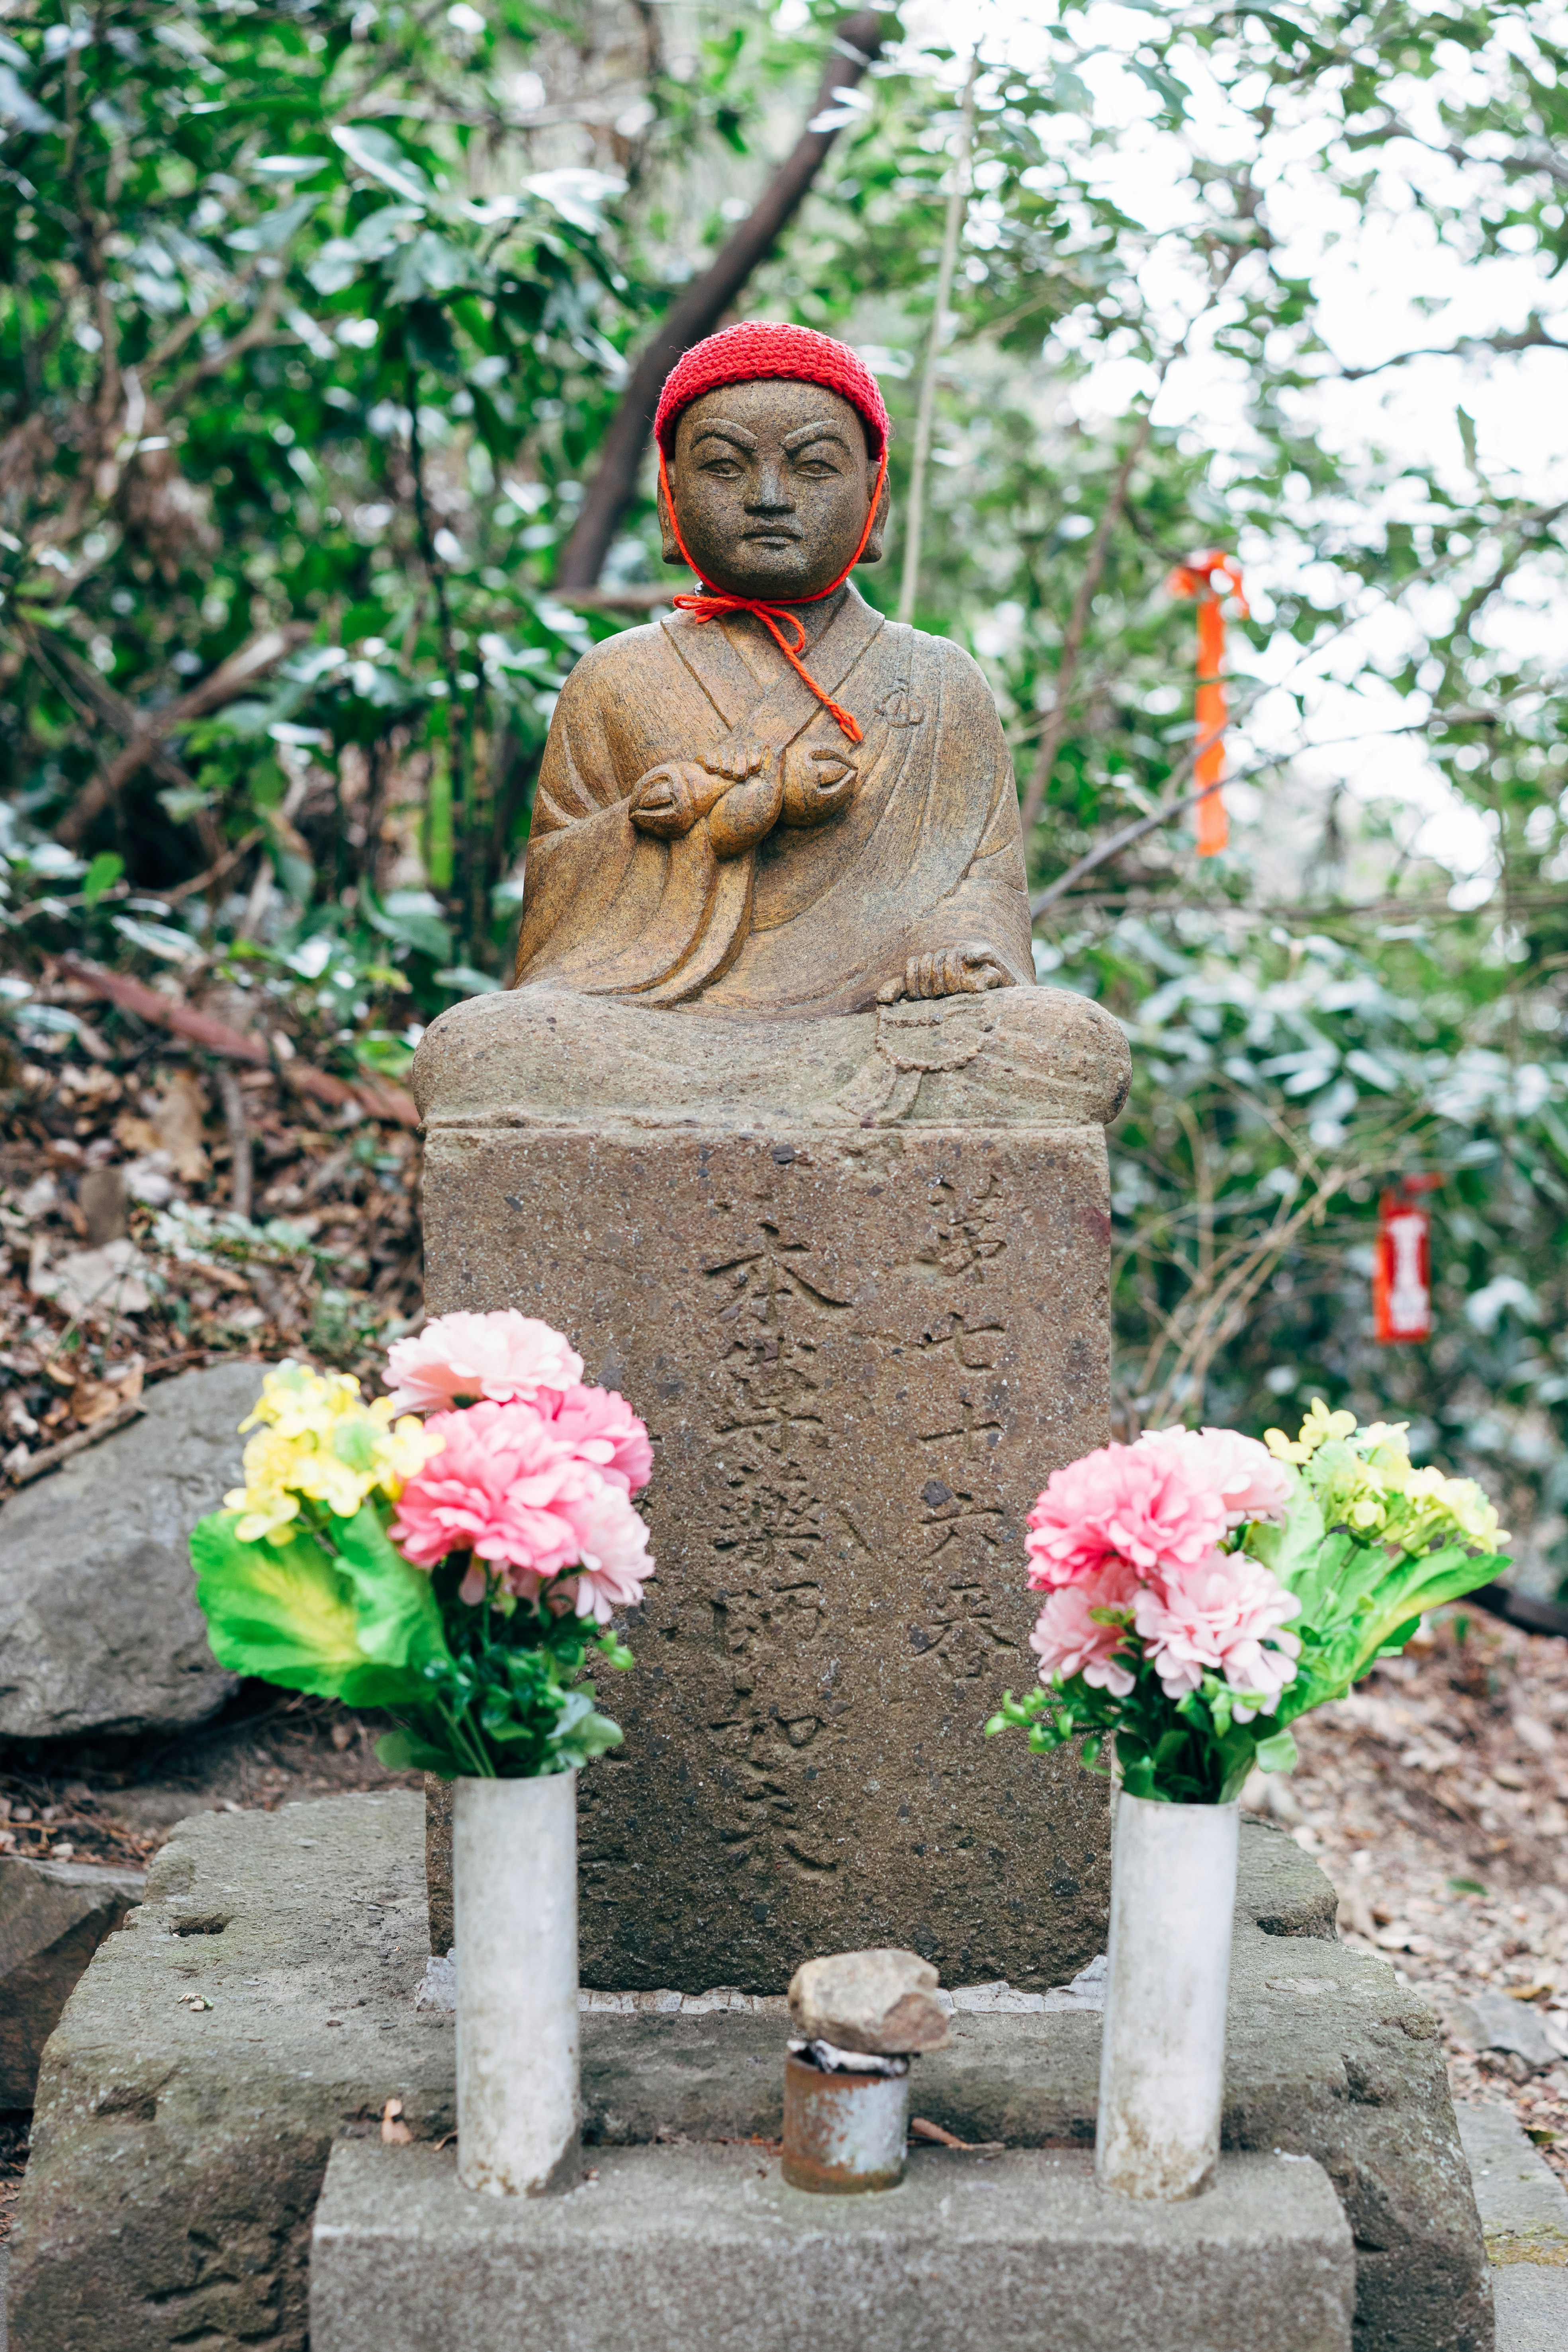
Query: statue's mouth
772, 534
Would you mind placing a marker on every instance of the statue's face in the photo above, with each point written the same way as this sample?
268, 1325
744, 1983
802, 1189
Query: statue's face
771, 482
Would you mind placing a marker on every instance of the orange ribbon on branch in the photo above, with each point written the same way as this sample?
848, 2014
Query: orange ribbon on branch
1198, 578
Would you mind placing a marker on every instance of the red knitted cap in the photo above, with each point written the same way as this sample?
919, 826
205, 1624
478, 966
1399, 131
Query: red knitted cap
762, 348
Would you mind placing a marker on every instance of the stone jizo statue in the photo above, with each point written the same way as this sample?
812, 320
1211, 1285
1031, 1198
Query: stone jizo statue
718, 827
776, 1125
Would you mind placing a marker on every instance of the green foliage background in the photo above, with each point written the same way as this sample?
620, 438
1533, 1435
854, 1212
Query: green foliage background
310, 317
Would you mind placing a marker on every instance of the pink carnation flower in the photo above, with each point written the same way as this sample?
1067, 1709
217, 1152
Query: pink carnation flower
496, 1489
1252, 1484
611, 1541
601, 1427
1068, 1641
1134, 1503
503, 1358
513, 1489
1215, 1617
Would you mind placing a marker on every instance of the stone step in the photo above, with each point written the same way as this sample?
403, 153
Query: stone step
261, 2004
1524, 2214
706, 2249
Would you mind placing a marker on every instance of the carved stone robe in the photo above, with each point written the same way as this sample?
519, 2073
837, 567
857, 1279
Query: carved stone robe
797, 890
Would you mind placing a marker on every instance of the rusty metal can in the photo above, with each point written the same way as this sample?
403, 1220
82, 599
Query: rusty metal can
844, 2131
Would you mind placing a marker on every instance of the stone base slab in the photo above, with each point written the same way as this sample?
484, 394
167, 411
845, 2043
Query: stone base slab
707, 2250
178, 2152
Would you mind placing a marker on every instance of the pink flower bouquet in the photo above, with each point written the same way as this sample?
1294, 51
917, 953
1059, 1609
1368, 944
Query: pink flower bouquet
458, 1570
1203, 1591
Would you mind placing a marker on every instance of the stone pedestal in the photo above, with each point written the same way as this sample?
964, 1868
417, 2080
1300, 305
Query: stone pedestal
859, 1350
178, 2152
706, 2249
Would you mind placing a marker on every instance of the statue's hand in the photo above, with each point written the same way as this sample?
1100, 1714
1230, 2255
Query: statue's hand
749, 809
965, 971
740, 757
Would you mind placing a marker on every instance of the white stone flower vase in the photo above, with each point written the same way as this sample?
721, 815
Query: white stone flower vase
514, 1884
1162, 2066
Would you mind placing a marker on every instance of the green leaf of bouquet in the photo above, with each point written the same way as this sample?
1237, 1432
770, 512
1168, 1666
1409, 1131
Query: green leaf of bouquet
1277, 1753
396, 1611
411, 1751
1291, 1546
1328, 1585
581, 1732
1418, 1585
284, 1613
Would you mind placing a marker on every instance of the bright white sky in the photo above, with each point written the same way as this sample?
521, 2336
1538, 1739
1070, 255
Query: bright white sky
1370, 280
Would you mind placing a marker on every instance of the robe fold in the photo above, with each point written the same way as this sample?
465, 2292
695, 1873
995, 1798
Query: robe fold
920, 847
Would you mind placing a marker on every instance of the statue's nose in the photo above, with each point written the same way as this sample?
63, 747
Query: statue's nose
770, 494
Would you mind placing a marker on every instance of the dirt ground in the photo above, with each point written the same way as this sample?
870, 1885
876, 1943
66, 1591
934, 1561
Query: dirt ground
122, 1259
1436, 1797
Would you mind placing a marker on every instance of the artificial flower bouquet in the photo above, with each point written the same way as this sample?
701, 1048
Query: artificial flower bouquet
451, 1553
1204, 1591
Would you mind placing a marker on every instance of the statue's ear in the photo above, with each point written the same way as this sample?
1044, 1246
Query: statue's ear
671, 551
872, 552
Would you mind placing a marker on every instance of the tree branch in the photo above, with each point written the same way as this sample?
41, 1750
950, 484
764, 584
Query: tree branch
381, 1099
957, 205
1078, 623
699, 308
148, 730
1531, 338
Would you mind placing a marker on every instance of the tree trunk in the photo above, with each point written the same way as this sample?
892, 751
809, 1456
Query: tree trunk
698, 309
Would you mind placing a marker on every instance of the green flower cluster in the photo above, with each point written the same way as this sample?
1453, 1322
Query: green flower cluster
1363, 1479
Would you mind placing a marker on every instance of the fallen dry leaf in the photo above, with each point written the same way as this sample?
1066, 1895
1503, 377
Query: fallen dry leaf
138, 1135
91, 1286
921, 2127
92, 1400
178, 1121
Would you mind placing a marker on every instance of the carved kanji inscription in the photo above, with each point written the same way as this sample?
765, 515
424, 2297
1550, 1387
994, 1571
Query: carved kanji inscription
860, 1357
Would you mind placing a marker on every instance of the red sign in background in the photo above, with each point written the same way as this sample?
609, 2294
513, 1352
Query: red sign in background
1402, 1269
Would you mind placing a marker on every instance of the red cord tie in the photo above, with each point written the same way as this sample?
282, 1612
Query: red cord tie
714, 602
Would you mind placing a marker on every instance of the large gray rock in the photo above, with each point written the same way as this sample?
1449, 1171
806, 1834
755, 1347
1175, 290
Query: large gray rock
99, 1625
53, 1917
705, 2248
178, 2153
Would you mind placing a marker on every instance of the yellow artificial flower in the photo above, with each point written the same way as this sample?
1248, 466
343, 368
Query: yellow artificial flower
1455, 1508
1384, 1443
1357, 1495
320, 1442
298, 1402
1318, 1426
